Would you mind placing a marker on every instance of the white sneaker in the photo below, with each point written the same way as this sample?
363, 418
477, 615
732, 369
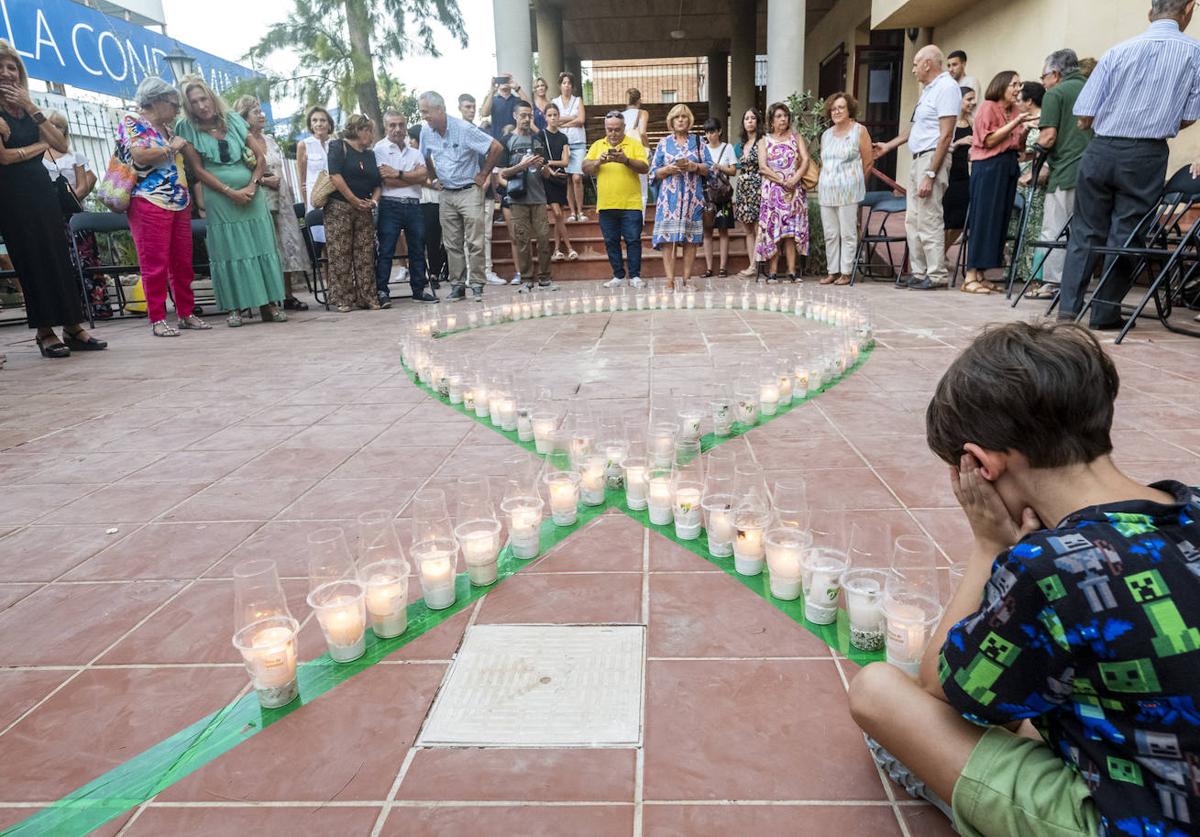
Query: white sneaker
492, 279
516, 280
614, 282
636, 282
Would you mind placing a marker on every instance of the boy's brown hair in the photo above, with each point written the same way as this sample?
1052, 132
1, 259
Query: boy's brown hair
1046, 390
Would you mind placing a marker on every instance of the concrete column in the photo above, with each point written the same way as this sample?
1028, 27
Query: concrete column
742, 57
718, 86
573, 65
550, 43
785, 49
514, 41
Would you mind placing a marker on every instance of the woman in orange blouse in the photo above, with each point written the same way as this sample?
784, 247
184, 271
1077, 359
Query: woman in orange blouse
998, 136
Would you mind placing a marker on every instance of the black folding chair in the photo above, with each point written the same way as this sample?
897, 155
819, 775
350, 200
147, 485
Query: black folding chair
1027, 202
1059, 242
1159, 247
105, 226
316, 256
874, 235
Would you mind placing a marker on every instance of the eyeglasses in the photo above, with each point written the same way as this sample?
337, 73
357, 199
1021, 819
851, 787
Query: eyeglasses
223, 148
614, 114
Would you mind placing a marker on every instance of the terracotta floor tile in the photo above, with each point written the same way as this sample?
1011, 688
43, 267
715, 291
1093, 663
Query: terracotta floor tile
710, 615
69, 624
336, 436
612, 542
125, 503
292, 463
336, 499
925, 487
284, 542
366, 414
12, 816
245, 437
738, 730
925, 820
312, 821
240, 500
848, 488
795, 820
558, 599
22, 688
347, 744
164, 550
43, 553
26, 503
90, 726
10, 594
607, 821
668, 556
194, 465
290, 415
392, 463
528, 775
439, 643
197, 627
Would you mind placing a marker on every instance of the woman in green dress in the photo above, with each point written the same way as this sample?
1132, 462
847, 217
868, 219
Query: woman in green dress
229, 162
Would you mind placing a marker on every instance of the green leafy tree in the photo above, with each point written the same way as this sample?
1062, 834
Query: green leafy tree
338, 43
808, 120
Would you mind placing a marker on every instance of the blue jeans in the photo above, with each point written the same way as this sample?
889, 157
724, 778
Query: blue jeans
395, 217
617, 224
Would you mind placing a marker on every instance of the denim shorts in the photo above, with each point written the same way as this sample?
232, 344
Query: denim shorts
578, 152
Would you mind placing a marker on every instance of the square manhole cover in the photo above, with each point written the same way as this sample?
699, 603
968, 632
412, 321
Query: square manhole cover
542, 686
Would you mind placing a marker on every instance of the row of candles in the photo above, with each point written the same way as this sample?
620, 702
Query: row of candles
835, 306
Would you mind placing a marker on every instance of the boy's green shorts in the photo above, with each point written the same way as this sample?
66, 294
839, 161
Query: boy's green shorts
1018, 787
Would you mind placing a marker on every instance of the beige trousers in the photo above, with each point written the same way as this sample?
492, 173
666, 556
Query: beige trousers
840, 225
1059, 206
461, 214
923, 222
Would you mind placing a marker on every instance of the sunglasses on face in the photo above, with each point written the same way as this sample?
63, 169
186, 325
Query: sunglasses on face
223, 149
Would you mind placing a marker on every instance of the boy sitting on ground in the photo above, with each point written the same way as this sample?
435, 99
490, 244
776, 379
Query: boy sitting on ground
1079, 612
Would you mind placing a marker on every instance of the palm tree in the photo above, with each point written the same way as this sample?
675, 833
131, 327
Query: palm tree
338, 41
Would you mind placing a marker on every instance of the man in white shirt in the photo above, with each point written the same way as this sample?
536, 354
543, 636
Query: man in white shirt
403, 171
956, 66
928, 138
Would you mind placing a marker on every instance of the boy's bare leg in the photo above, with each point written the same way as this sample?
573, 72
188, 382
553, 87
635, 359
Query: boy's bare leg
926, 734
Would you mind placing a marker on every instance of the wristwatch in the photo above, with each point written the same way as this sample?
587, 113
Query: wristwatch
932, 175
38, 117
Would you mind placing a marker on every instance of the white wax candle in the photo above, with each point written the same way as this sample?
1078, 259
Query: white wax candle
689, 424
635, 487
722, 417
469, 398
652, 299
507, 410
728, 300
437, 579
543, 429
905, 633
591, 481
524, 426
820, 602
708, 299
768, 395
614, 476
342, 621
564, 501
687, 513
785, 389
745, 302
679, 298
387, 604
574, 306
691, 299
273, 658
456, 389
482, 402
660, 500
524, 525
451, 322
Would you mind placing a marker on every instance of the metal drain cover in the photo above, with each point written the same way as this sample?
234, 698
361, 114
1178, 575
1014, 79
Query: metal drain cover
542, 686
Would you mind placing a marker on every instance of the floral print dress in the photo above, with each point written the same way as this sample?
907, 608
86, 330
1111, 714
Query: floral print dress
679, 208
781, 214
749, 184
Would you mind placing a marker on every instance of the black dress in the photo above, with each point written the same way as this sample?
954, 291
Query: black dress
556, 187
32, 225
958, 191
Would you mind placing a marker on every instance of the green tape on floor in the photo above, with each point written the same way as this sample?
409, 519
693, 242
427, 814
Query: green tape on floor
172, 759
162, 765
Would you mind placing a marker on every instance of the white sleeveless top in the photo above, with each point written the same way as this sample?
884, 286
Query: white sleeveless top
577, 135
318, 161
631, 120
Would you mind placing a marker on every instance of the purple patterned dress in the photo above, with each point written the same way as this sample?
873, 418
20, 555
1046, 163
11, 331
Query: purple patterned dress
781, 214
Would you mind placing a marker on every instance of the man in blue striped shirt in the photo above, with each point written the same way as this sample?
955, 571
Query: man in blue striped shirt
1143, 92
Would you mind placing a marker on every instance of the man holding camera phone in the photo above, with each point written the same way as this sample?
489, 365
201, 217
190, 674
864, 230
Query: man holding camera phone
501, 104
616, 161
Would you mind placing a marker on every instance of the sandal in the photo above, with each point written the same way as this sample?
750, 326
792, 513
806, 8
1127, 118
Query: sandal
234, 320
707, 274
1043, 292
572, 255
842, 280
71, 338
343, 309
749, 272
163, 329
53, 350
828, 280
193, 322
558, 256
974, 287
293, 304
722, 273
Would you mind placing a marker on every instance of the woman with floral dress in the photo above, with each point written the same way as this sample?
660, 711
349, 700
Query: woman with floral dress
1029, 102
681, 162
783, 201
748, 186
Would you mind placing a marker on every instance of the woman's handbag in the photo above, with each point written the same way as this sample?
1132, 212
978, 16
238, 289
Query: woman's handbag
116, 186
322, 190
717, 189
811, 176
68, 201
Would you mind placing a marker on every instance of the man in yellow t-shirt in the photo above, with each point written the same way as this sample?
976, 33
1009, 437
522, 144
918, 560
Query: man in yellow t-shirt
615, 162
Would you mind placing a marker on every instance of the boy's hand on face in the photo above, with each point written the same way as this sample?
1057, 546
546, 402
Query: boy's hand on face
991, 523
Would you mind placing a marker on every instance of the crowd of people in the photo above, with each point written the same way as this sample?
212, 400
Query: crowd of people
437, 185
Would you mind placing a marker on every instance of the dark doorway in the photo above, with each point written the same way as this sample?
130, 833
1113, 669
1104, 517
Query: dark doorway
877, 77
833, 72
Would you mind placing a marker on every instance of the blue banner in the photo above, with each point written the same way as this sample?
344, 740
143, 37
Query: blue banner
65, 42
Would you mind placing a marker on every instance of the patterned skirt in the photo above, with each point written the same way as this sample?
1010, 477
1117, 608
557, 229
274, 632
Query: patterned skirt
746, 197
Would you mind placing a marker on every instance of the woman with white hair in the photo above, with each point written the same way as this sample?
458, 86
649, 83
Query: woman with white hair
31, 217
159, 206
229, 162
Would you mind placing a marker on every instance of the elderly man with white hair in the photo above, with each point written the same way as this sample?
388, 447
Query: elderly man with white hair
928, 138
452, 149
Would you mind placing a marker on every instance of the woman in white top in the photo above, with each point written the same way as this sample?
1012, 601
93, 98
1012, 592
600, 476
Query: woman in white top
846, 163
572, 118
312, 159
637, 122
718, 218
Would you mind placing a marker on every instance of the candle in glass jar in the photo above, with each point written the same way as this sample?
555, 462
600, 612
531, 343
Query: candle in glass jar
273, 657
591, 480
524, 530
905, 636
720, 531
635, 487
689, 424
455, 389
479, 552
729, 299
679, 298
659, 499
387, 604
785, 389
437, 577
747, 409
687, 513
468, 398
543, 433
507, 410
865, 609
783, 559
691, 299
344, 624
708, 299
482, 401
614, 475
768, 396
564, 500
524, 425
748, 550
